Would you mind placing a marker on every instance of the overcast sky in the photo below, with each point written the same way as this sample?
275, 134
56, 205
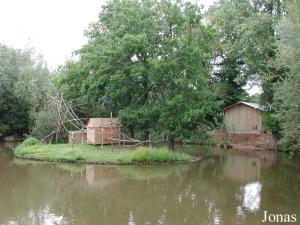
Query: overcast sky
55, 28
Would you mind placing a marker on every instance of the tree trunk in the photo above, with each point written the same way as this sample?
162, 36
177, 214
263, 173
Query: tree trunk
171, 143
146, 137
131, 131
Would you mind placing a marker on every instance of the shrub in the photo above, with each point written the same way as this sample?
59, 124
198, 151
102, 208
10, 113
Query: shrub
157, 155
44, 122
30, 141
26, 143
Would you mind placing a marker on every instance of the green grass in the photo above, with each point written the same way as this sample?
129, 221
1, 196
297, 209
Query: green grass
65, 152
144, 154
30, 141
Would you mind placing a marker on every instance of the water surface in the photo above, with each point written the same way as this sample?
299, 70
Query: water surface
226, 188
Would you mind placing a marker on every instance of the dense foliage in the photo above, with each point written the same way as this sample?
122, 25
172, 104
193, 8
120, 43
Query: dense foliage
287, 91
246, 31
148, 62
23, 79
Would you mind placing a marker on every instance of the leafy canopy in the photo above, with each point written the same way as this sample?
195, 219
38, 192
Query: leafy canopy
149, 62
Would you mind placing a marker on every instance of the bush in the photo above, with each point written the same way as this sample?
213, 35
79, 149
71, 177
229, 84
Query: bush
157, 155
44, 122
30, 141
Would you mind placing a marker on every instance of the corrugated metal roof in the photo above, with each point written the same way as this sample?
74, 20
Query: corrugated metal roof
103, 122
251, 104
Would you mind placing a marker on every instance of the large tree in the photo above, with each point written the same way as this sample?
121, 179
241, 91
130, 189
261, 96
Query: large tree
24, 78
147, 61
14, 115
247, 39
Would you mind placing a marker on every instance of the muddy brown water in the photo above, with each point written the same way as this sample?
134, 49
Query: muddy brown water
235, 187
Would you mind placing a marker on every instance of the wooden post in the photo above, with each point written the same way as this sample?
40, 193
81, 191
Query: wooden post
72, 139
149, 139
119, 135
111, 141
101, 132
101, 129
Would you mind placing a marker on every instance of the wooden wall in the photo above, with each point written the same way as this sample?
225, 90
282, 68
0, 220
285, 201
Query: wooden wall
94, 135
91, 136
243, 119
77, 138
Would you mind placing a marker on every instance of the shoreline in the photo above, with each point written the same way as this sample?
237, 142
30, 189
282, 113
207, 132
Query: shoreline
90, 154
191, 161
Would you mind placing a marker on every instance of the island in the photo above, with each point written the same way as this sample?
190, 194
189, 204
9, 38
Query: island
32, 149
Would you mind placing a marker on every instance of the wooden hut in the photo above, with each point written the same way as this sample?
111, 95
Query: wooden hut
77, 137
244, 128
244, 118
103, 130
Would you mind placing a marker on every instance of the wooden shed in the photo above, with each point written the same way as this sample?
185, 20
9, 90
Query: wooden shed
244, 118
77, 137
102, 130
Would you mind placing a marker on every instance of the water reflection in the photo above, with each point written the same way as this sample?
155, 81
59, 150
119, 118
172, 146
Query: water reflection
131, 219
39, 217
252, 196
244, 165
229, 188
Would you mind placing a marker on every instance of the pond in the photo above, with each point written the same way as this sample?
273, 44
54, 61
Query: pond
234, 187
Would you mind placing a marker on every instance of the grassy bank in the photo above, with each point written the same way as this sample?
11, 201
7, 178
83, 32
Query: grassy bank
89, 153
